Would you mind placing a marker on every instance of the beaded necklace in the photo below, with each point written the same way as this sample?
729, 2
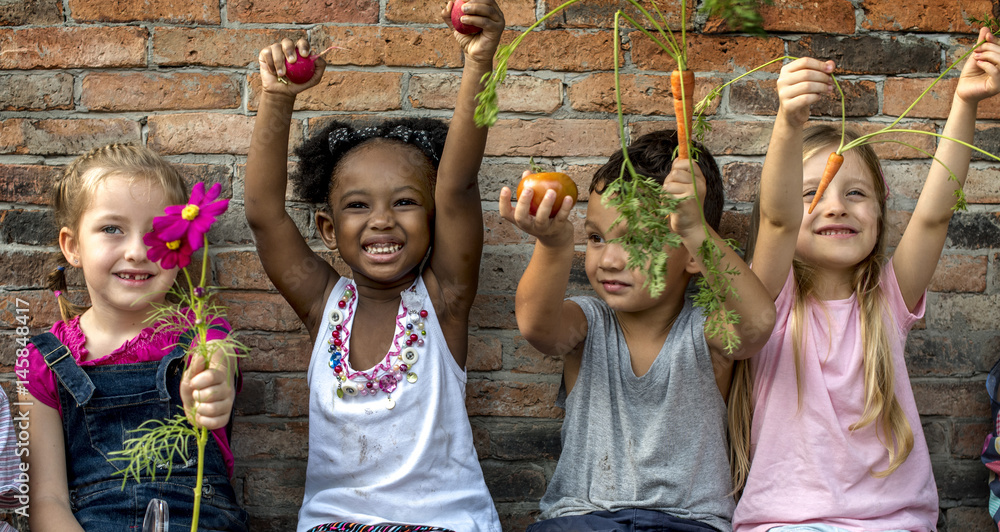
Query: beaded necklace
398, 362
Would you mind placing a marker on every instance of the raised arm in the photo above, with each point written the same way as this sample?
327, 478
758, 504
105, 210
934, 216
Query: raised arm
549, 323
753, 304
458, 218
918, 252
302, 277
801, 83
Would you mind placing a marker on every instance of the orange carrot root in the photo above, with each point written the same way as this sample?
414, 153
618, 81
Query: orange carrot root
833, 164
683, 108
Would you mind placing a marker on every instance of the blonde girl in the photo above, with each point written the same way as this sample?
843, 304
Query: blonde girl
103, 370
836, 441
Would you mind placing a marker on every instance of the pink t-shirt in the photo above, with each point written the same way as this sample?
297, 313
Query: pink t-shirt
807, 466
147, 346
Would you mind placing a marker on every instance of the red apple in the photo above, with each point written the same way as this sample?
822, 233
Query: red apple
542, 182
456, 20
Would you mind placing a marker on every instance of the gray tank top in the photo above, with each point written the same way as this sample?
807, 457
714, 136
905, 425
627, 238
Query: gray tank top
656, 442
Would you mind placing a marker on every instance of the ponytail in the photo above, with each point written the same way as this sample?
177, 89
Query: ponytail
56, 282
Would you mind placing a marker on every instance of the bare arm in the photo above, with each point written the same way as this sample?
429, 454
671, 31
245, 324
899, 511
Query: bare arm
753, 304
302, 277
550, 324
918, 252
801, 83
458, 219
46, 459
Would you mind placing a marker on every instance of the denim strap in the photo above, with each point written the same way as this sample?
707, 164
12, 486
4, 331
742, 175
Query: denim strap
57, 356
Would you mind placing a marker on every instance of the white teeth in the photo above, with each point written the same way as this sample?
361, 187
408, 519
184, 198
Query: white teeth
380, 249
131, 277
837, 232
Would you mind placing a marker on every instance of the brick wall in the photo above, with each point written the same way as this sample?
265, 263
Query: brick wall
180, 77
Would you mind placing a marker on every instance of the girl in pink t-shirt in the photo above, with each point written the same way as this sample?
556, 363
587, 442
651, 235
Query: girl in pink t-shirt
105, 369
835, 440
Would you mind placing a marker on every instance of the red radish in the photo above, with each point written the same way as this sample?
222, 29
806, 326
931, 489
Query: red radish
302, 69
456, 20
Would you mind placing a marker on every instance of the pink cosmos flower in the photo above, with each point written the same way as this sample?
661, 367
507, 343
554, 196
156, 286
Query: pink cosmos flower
190, 222
170, 254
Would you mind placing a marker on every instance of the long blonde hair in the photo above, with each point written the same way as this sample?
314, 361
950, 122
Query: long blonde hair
881, 408
73, 191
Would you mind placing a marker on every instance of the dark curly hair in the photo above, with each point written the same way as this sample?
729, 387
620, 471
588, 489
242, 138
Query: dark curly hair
652, 156
318, 163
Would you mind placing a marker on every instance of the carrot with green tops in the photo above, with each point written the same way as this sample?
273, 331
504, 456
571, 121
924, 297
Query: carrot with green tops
833, 164
682, 88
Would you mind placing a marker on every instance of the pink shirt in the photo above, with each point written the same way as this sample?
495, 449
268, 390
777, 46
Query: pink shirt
807, 466
147, 346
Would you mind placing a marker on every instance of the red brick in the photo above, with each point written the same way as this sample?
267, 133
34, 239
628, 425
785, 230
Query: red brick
981, 185
201, 133
708, 53
493, 312
274, 486
260, 440
968, 438
735, 225
153, 91
360, 45
527, 359
485, 353
519, 94
40, 12
940, 397
601, 14
213, 47
515, 12
804, 16
276, 352
640, 94
970, 518
36, 92
289, 398
896, 150
965, 313
27, 268
563, 50
342, 91
426, 47
27, 183
64, 137
936, 16
43, 310
899, 93
241, 270
259, 312
78, 47
959, 273
546, 137
500, 231
303, 11
171, 11
511, 398
740, 181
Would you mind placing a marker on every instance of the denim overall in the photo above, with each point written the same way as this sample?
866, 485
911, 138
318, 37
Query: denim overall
100, 404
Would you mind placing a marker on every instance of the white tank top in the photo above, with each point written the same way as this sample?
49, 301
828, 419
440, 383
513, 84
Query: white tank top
412, 464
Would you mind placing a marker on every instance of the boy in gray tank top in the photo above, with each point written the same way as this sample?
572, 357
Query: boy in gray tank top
644, 438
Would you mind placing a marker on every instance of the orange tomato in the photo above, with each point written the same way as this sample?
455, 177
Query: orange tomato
541, 182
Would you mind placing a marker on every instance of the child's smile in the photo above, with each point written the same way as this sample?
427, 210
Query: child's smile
382, 207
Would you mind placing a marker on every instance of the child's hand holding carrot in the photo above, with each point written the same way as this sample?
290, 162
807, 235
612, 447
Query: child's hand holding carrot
553, 232
273, 68
686, 220
802, 83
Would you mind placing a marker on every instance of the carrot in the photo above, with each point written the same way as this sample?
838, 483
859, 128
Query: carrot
833, 164
683, 108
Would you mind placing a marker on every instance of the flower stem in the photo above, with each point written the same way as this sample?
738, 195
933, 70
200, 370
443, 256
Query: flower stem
202, 440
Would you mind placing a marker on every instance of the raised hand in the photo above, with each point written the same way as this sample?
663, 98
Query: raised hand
484, 14
553, 231
272, 67
678, 183
802, 83
980, 77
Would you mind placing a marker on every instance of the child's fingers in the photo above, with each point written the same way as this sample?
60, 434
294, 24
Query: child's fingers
506, 209
288, 50
302, 46
545, 207
484, 15
267, 62
563, 214
446, 14
277, 55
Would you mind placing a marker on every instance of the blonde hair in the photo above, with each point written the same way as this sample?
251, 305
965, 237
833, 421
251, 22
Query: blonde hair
73, 191
881, 408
